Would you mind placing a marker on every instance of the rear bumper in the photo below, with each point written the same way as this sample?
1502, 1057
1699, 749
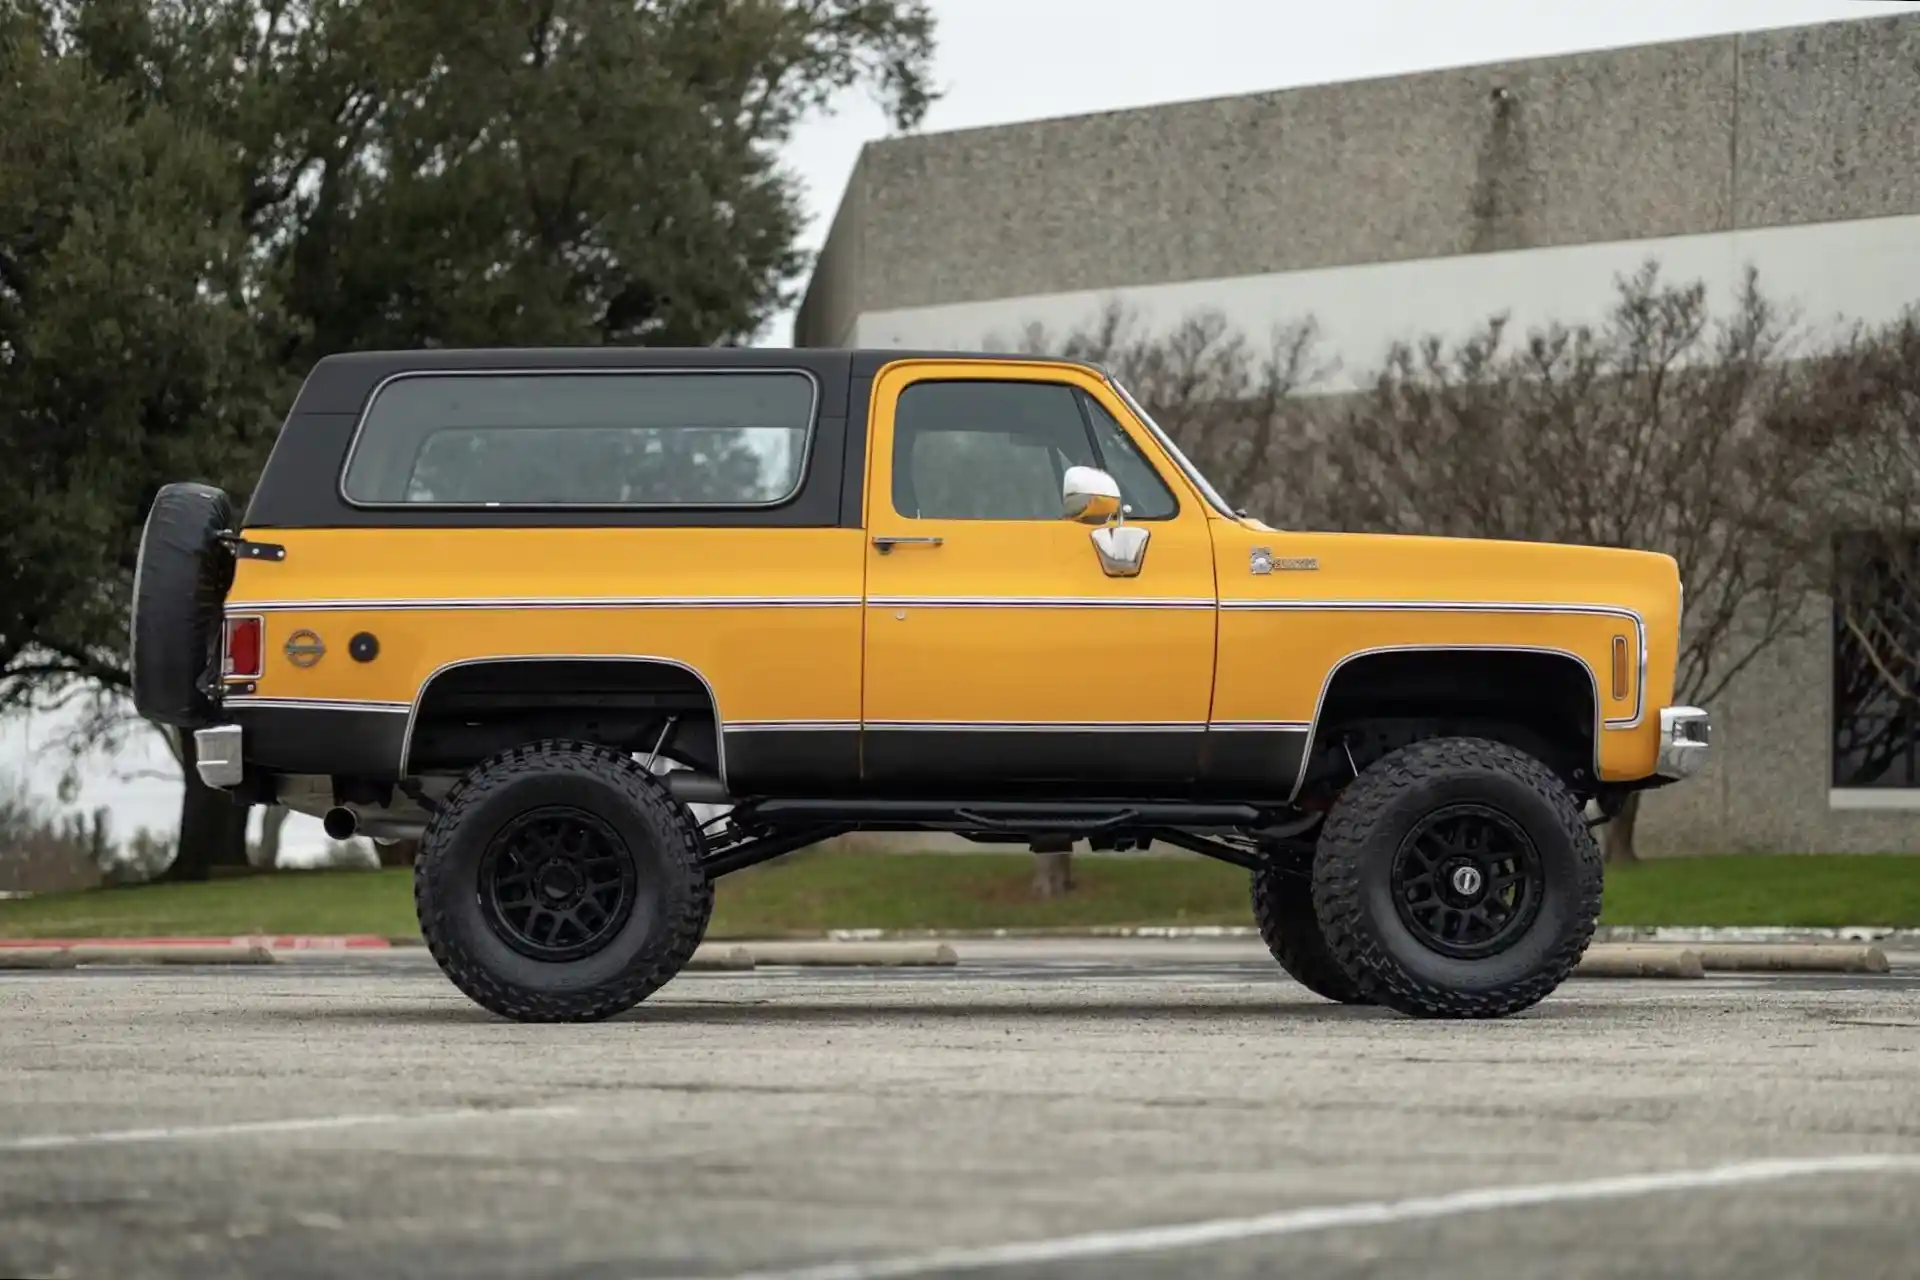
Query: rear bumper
1685, 735
289, 736
216, 755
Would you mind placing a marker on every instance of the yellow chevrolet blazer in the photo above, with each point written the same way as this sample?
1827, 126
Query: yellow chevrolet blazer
532, 607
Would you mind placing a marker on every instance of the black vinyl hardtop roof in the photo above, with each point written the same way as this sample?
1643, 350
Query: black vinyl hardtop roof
301, 487
340, 383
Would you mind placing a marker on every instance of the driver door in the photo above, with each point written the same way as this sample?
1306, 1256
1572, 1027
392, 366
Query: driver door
1001, 646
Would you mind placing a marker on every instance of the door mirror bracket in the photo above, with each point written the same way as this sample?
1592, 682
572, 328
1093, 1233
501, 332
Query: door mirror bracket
1122, 549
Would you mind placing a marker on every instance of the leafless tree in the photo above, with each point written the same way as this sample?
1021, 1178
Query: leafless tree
1657, 428
1235, 405
1861, 409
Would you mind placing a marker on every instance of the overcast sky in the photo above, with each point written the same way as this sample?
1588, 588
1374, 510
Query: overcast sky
1001, 61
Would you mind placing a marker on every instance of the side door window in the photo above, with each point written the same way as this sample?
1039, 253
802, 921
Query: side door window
978, 450
1142, 490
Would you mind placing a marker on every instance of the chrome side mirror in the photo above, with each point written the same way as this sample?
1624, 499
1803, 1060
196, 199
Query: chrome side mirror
1089, 495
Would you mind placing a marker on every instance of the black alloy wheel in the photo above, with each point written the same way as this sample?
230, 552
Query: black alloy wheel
1467, 881
559, 883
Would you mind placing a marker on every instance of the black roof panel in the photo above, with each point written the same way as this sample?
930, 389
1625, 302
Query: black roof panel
341, 383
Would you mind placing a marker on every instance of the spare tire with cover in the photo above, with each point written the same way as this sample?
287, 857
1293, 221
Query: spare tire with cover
180, 587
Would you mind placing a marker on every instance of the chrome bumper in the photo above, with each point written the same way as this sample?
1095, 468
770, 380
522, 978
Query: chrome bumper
216, 754
1684, 737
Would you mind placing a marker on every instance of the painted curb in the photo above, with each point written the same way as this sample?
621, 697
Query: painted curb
87, 955
708, 958
854, 955
1064, 931
36, 958
1899, 938
1627, 961
265, 941
1787, 958
1895, 937
172, 954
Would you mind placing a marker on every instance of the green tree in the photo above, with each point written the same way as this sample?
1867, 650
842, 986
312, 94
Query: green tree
460, 172
199, 198
132, 350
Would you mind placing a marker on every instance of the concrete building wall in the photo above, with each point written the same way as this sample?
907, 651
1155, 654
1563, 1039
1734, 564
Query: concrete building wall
1831, 273
1767, 129
1768, 788
1424, 204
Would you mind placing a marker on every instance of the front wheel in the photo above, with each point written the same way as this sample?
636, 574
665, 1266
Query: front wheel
1283, 909
1457, 878
559, 882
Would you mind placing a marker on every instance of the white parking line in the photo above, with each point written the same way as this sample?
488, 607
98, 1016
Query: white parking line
310, 1124
1371, 1213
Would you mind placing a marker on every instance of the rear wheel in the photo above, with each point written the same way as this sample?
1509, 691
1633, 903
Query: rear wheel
1283, 910
559, 882
1457, 878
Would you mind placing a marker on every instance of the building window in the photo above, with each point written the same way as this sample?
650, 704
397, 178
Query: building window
1876, 670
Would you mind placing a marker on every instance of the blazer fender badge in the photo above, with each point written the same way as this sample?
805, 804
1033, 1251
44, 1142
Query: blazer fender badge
303, 649
1261, 561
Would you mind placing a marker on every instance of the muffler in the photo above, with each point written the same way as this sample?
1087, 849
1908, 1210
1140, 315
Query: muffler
689, 787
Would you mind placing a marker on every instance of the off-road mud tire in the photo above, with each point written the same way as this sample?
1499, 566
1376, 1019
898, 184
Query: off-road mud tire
673, 903
1352, 880
180, 584
1283, 910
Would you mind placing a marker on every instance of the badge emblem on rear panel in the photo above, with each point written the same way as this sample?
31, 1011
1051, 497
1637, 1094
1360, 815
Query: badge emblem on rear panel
303, 649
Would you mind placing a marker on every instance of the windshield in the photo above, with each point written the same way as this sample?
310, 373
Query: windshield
1207, 491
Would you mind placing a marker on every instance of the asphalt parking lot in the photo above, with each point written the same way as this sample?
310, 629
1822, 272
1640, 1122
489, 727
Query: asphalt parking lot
1121, 1109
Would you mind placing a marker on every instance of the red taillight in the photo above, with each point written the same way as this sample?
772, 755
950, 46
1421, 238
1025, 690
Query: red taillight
241, 659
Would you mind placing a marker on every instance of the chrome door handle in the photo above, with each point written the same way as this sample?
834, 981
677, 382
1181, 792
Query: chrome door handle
886, 545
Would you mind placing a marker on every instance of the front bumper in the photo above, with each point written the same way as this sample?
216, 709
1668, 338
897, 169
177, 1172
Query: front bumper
216, 754
1685, 734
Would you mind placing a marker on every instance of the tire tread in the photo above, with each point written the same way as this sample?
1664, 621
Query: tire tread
686, 913
1337, 880
1283, 911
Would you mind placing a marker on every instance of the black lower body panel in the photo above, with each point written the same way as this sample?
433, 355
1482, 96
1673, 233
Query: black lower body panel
793, 761
893, 760
328, 738
1254, 762
368, 741
932, 761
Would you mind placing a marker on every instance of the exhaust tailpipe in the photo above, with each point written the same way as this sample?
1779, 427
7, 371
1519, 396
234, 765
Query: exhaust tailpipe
340, 823
343, 823
392, 830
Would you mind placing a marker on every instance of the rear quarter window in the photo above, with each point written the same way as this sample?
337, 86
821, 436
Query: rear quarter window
650, 439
